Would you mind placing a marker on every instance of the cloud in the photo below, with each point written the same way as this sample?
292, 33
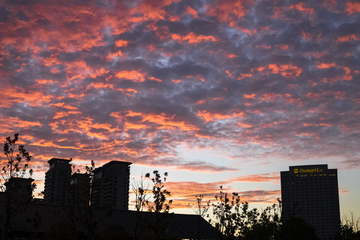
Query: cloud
267, 177
350, 164
133, 81
352, 7
184, 193
201, 166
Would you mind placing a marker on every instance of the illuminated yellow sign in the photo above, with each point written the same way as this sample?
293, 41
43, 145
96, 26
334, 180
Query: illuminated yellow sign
310, 170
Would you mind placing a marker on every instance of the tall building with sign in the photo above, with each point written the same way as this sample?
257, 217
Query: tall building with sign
313, 189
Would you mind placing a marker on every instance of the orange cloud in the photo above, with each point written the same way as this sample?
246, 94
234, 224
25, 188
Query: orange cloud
191, 189
164, 121
150, 11
121, 43
11, 124
306, 36
352, 7
12, 94
329, 4
44, 81
229, 74
185, 192
168, 122
313, 95
135, 76
347, 76
191, 38
83, 125
260, 69
209, 117
228, 11
269, 96
111, 56
286, 70
200, 77
176, 81
63, 105
119, 116
155, 79
80, 70
242, 75
150, 47
200, 102
276, 12
245, 125
348, 38
231, 55
46, 143
267, 177
343, 190
65, 114
301, 7
251, 96
321, 124
218, 98
191, 11
99, 85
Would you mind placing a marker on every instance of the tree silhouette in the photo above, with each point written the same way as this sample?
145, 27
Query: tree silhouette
160, 206
201, 210
234, 219
17, 190
268, 224
224, 215
349, 229
296, 228
141, 190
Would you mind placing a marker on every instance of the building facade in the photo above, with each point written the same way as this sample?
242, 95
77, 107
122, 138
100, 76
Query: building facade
57, 180
111, 185
19, 189
80, 189
311, 192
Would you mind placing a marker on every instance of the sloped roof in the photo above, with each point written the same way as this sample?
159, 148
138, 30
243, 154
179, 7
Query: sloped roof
182, 225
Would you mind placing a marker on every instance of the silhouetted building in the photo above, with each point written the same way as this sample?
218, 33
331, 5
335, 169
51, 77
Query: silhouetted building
118, 225
111, 185
311, 192
21, 189
79, 189
57, 180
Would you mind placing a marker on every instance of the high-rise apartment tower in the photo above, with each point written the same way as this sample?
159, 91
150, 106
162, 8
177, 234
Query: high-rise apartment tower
79, 192
313, 189
57, 180
111, 185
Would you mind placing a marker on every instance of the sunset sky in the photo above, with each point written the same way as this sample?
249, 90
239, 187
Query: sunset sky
223, 92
